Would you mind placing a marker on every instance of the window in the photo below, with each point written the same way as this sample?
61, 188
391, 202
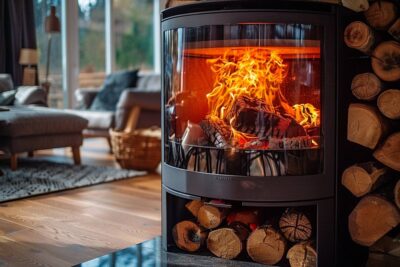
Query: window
134, 34
42, 9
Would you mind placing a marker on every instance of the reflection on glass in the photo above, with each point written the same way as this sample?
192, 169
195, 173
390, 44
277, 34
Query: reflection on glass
256, 89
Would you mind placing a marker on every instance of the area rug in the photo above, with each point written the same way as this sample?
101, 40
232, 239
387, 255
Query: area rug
35, 177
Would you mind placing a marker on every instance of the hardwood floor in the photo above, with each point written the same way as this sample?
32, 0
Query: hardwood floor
66, 228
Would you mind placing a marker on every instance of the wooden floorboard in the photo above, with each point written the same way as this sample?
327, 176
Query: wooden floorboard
69, 227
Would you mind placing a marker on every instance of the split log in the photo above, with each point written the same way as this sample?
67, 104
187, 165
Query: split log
366, 86
360, 36
295, 226
356, 5
227, 243
388, 245
365, 125
396, 194
247, 217
389, 152
371, 219
217, 131
266, 245
194, 206
211, 217
362, 178
394, 30
302, 255
381, 14
188, 236
385, 61
389, 103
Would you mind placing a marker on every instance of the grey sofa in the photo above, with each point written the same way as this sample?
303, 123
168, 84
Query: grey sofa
27, 127
144, 98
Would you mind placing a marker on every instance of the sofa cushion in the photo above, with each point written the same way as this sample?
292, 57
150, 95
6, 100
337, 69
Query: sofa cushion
113, 86
31, 121
101, 120
7, 97
149, 82
6, 82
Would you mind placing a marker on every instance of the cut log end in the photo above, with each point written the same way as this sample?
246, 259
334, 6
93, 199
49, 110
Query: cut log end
194, 206
188, 236
365, 125
225, 243
295, 226
366, 86
389, 152
358, 35
210, 217
385, 61
381, 14
265, 245
302, 255
389, 103
366, 225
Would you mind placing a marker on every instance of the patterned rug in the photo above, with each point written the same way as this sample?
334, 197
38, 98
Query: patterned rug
35, 177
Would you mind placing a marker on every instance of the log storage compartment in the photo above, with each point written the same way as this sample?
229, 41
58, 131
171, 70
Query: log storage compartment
249, 131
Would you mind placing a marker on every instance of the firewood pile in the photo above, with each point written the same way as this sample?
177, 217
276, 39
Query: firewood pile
373, 122
229, 233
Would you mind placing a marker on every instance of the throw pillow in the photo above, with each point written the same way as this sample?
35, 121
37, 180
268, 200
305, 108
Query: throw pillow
7, 97
112, 89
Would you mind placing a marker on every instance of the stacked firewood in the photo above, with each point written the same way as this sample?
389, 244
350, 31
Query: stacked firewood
231, 233
373, 122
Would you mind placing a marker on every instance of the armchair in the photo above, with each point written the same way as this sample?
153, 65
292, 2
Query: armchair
145, 98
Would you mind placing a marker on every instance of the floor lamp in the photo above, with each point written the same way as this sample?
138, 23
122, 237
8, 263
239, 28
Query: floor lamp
51, 26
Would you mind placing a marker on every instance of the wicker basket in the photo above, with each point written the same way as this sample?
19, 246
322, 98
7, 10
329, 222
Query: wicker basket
139, 150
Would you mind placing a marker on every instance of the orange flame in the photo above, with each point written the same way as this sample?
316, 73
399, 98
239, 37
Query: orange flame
255, 74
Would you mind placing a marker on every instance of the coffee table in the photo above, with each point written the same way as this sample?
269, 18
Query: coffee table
150, 253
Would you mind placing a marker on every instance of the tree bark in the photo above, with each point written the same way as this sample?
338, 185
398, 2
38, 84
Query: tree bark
389, 103
188, 236
389, 152
371, 219
266, 245
211, 217
362, 178
365, 125
302, 255
381, 14
388, 245
360, 36
366, 86
227, 243
397, 194
295, 226
385, 61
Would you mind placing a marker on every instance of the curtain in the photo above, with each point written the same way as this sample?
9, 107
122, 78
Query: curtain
17, 30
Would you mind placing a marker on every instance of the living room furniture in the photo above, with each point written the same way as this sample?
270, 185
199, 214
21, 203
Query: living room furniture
144, 99
27, 129
28, 57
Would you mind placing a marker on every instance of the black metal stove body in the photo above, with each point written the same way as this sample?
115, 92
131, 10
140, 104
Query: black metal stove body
213, 171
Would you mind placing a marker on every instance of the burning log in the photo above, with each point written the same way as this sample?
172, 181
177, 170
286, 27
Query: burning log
217, 131
366, 86
362, 178
389, 152
302, 255
266, 245
300, 142
360, 36
251, 116
210, 217
295, 226
388, 103
188, 236
381, 14
371, 219
386, 61
365, 125
227, 242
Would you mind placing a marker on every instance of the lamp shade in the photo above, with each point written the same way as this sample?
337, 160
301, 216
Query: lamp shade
28, 56
52, 23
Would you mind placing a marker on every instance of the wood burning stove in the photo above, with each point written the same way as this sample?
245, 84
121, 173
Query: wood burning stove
249, 102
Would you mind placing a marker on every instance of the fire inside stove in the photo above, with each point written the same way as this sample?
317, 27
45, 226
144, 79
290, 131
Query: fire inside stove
244, 110
247, 108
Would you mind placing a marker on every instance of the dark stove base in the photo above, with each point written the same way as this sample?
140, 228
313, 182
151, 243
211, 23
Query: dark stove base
150, 253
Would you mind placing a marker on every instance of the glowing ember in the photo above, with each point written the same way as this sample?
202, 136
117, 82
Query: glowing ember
255, 76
